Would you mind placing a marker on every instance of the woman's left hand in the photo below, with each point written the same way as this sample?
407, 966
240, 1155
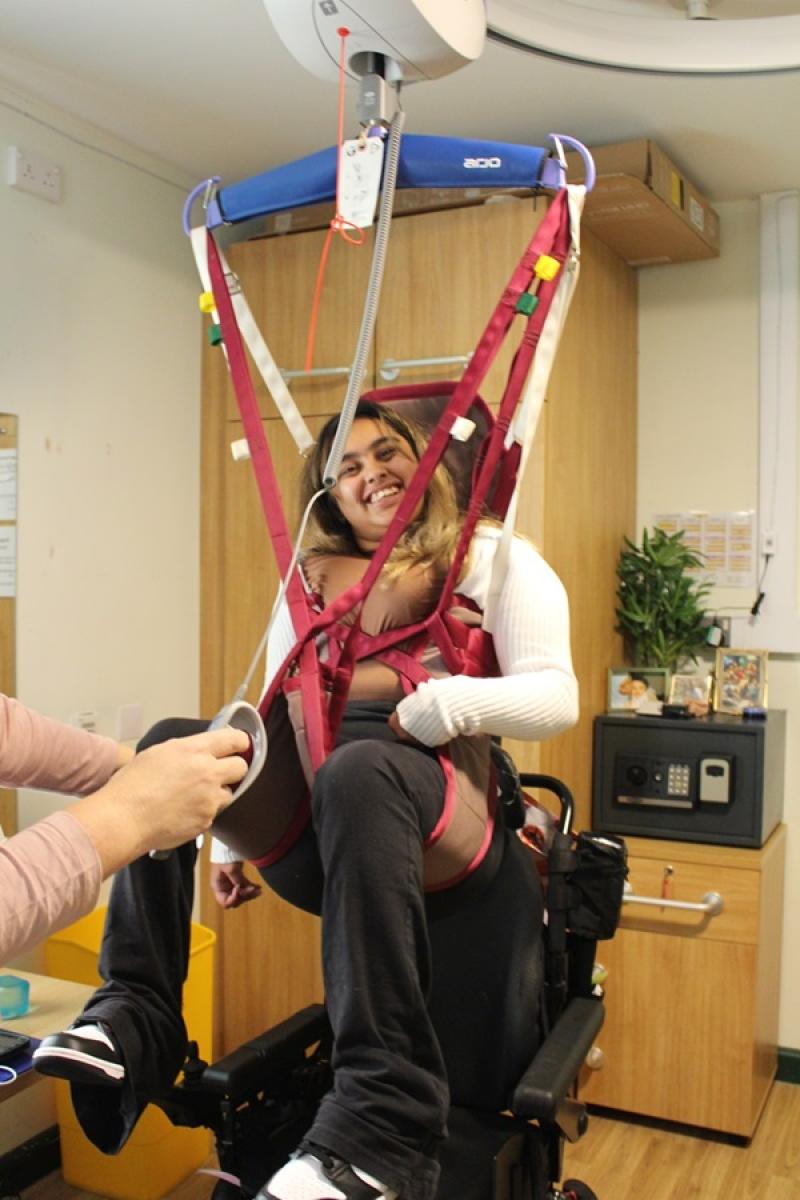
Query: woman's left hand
230, 885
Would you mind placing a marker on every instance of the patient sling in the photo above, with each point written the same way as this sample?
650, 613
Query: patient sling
305, 702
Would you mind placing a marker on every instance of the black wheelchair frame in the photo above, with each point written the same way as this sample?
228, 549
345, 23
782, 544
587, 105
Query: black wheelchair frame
260, 1099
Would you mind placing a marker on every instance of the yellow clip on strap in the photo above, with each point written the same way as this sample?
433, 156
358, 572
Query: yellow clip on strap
546, 267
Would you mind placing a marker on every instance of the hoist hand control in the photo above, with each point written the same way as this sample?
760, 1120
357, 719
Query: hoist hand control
239, 715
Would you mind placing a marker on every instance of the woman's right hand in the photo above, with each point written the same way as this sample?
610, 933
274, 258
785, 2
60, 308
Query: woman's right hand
230, 885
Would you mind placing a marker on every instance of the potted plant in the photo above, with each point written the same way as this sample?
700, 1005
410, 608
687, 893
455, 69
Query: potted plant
661, 613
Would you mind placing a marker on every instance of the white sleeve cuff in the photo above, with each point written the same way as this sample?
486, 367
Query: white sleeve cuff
221, 854
530, 706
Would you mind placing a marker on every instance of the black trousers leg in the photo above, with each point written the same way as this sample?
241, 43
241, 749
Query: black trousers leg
373, 804
143, 960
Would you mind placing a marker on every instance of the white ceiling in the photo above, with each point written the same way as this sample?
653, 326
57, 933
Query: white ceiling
207, 86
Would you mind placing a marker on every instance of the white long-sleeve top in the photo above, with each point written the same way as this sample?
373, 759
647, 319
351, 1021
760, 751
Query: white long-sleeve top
535, 697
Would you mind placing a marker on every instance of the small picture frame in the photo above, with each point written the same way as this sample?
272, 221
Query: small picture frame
741, 679
686, 689
630, 687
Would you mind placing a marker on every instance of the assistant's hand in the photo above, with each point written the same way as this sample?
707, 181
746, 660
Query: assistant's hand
230, 885
181, 785
164, 797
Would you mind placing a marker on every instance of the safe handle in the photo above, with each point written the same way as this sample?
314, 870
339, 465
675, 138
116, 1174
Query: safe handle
711, 904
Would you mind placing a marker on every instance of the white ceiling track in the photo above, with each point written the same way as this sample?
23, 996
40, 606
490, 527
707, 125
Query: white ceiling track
674, 37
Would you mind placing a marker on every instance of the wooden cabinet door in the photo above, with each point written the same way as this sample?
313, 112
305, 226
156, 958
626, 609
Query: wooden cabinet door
691, 1025
445, 272
278, 276
678, 1037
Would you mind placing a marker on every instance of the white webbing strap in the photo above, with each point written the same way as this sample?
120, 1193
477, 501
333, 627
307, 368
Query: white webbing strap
267, 367
524, 427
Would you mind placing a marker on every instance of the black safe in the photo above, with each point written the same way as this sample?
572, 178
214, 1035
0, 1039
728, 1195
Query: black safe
710, 779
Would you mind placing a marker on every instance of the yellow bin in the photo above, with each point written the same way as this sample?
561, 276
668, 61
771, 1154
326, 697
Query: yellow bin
158, 1156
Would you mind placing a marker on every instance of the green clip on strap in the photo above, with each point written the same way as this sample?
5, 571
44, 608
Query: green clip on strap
527, 303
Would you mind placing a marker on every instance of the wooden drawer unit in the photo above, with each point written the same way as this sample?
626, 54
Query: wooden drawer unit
692, 999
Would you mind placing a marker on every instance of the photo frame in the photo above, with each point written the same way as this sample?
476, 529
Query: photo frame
741, 679
686, 689
630, 687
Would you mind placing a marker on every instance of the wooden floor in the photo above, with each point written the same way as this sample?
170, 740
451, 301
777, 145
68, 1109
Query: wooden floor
634, 1160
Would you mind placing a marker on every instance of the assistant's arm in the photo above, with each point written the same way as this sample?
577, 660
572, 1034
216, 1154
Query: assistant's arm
38, 752
50, 874
537, 694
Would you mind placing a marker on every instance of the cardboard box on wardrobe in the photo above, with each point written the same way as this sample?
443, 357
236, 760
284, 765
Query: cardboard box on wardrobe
644, 208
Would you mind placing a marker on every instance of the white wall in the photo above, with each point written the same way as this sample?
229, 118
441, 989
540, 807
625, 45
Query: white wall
698, 449
99, 357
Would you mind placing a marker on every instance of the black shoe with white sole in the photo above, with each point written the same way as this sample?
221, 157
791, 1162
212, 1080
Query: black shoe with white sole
313, 1173
81, 1054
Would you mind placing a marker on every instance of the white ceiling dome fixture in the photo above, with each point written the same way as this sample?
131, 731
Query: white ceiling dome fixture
418, 39
673, 37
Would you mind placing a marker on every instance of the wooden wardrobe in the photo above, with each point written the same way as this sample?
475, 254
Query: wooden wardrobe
445, 272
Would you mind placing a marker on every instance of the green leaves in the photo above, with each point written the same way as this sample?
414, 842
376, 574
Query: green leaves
661, 611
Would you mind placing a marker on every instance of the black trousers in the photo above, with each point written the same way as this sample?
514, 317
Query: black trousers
374, 802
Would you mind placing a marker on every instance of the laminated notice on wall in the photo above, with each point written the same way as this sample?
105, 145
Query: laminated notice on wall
8, 485
8, 560
724, 541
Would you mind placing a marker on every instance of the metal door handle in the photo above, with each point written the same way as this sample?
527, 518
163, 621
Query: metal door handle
711, 904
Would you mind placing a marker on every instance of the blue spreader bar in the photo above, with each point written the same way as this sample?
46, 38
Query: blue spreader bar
425, 162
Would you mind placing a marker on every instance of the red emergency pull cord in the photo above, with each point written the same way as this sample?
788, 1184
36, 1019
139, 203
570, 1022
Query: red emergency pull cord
338, 223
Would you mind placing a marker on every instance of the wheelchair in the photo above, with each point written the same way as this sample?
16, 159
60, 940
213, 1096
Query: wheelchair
513, 1040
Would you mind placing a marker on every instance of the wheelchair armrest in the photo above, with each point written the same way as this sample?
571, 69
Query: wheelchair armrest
243, 1070
544, 1086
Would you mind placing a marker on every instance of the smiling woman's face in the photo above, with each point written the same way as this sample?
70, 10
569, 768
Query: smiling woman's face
377, 466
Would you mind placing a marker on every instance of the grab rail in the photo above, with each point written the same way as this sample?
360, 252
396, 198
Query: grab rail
390, 368
315, 372
712, 903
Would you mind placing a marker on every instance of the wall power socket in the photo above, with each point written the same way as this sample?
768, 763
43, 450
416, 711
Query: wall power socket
33, 173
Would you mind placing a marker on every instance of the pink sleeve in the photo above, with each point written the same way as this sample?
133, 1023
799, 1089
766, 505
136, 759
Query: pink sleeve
36, 751
50, 875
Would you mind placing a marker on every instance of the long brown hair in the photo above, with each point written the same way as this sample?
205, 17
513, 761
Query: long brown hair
429, 540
